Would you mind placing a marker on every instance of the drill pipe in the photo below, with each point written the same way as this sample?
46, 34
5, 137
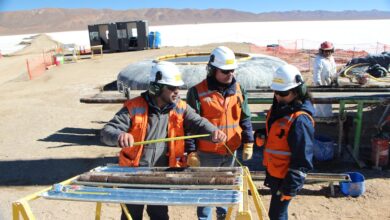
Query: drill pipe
148, 179
168, 174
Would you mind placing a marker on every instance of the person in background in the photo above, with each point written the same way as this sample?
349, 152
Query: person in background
325, 74
157, 113
289, 136
221, 100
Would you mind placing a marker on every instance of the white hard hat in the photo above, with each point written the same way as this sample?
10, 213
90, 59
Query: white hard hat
286, 77
166, 73
223, 58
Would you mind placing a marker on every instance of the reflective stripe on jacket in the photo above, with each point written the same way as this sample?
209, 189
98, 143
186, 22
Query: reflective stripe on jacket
222, 112
277, 150
138, 112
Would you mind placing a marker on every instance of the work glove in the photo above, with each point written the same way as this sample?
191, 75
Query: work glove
193, 160
247, 153
284, 197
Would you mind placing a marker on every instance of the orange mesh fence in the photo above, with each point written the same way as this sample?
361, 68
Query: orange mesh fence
36, 66
301, 59
287, 46
257, 49
48, 58
383, 47
301, 52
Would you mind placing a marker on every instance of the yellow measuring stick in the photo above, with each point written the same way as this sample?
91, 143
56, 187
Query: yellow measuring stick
170, 139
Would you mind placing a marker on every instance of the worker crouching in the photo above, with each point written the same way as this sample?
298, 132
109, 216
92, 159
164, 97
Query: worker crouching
289, 136
157, 114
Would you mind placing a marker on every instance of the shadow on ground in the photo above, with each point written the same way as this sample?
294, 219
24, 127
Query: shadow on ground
74, 136
46, 171
324, 191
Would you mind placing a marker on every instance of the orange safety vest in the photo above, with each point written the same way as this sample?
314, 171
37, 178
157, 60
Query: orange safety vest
225, 113
138, 112
277, 150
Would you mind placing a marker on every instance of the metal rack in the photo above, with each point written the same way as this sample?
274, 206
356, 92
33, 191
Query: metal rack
202, 186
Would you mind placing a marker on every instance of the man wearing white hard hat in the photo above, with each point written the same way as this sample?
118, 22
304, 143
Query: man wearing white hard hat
158, 113
289, 135
221, 100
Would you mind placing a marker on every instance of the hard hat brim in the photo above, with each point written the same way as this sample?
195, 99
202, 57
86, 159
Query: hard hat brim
176, 83
227, 67
280, 87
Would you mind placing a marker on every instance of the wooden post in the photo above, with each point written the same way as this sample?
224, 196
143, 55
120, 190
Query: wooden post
28, 69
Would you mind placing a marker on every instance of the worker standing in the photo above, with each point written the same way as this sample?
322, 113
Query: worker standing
325, 74
221, 100
289, 136
157, 113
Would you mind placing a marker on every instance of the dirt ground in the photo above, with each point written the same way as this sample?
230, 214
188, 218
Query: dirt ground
47, 135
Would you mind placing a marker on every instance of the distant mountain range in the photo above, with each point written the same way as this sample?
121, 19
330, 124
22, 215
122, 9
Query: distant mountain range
58, 19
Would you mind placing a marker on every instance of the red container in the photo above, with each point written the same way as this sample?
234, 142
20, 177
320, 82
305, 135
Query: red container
379, 151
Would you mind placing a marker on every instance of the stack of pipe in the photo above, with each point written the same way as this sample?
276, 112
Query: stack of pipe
205, 176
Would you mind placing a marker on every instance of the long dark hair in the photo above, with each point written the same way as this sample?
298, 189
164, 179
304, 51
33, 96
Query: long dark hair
303, 93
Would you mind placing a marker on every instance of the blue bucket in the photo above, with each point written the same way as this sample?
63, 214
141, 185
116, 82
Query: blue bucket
323, 148
354, 188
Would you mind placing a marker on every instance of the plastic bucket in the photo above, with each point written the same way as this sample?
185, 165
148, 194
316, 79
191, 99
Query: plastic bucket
380, 151
323, 148
354, 188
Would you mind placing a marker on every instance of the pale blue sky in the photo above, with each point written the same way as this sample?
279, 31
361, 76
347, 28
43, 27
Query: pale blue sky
255, 6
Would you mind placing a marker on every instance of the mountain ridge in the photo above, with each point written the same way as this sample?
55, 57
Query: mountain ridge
59, 19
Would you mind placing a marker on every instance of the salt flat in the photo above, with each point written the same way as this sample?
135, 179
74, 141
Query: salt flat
345, 34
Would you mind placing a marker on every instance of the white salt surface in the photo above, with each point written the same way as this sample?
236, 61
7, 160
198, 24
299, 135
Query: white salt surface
353, 34
11, 44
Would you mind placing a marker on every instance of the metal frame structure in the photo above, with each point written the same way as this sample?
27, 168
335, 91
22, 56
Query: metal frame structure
120, 36
340, 96
359, 99
75, 190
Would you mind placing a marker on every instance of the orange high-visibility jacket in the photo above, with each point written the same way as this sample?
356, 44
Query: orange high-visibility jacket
277, 150
138, 112
225, 113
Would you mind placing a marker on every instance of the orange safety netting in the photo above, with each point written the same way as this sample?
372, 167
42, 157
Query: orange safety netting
36, 66
301, 53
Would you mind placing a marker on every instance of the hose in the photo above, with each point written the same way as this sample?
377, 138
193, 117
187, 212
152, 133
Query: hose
347, 69
345, 73
378, 79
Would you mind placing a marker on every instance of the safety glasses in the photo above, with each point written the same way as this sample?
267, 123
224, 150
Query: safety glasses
226, 72
172, 88
282, 93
